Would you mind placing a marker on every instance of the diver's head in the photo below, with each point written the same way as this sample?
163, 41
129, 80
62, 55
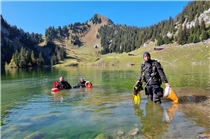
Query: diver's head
61, 78
81, 79
146, 56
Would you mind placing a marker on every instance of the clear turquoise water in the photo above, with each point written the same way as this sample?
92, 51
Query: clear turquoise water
30, 110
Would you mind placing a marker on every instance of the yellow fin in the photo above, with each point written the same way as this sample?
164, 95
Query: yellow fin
136, 99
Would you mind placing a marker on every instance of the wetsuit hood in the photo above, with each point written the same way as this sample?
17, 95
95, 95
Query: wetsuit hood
146, 54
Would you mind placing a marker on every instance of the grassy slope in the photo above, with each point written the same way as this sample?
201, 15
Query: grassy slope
172, 54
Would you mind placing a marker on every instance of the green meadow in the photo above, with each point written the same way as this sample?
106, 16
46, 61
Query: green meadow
172, 54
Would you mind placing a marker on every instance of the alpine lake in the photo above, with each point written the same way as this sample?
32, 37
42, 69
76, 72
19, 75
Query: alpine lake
29, 110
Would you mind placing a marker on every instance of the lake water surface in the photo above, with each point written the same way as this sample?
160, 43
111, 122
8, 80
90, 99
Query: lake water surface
30, 110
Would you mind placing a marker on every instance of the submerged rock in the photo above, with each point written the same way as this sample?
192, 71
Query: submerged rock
120, 133
100, 136
103, 136
133, 132
204, 135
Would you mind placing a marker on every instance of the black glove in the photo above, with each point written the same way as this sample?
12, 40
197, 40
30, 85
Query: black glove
139, 85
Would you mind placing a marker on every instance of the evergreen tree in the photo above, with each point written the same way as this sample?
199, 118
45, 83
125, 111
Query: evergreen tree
204, 35
202, 26
190, 38
40, 60
160, 42
33, 59
166, 40
182, 35
195, 38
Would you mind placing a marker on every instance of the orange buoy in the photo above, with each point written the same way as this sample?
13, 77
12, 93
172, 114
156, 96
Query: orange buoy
88, 84
54, 90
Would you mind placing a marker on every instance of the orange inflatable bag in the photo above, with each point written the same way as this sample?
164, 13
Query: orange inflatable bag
169, 93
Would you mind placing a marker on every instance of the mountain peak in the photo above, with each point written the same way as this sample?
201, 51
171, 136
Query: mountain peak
98, 19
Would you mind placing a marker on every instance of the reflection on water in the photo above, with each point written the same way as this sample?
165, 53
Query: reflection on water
30, 110
170, 112
155, 119
152, 124
64, 95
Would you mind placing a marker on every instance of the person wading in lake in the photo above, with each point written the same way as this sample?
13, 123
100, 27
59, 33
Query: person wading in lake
62, 84
81, 83
153, 75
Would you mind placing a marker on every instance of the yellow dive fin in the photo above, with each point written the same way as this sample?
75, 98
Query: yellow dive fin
136, 96
137, 99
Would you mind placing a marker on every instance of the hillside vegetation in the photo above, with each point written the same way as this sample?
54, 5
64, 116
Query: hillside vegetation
171, 54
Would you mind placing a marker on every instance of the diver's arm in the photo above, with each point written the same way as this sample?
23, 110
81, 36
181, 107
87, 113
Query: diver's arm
162, 74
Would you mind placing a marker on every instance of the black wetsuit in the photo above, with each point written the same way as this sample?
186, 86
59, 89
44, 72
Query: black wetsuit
63, 85
152, 73
80, 84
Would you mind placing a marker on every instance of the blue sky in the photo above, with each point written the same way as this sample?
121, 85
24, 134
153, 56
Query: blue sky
36, 16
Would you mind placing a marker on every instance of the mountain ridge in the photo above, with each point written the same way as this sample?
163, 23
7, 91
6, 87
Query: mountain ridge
89, 36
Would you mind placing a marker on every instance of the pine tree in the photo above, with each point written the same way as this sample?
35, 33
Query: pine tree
195, 38
180, 36
204, 35
40, 60
202, 26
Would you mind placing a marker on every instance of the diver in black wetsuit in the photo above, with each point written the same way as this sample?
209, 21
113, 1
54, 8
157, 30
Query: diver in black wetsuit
63, 84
